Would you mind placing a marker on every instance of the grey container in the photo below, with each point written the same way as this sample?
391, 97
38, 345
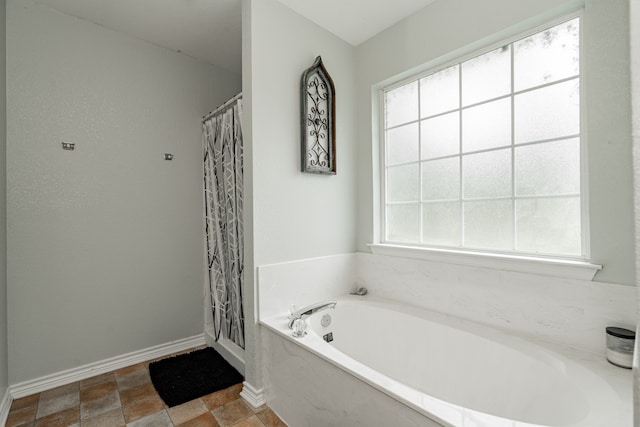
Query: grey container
620, 343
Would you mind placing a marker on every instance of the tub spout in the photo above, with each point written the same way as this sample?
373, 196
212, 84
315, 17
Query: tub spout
307, 311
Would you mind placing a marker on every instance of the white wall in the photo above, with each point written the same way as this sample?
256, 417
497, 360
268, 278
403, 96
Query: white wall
293, 215
4, 378
104, 242
445, 30
635, 128
298, 215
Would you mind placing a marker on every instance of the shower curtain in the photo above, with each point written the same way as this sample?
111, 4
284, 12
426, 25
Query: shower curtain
222, 149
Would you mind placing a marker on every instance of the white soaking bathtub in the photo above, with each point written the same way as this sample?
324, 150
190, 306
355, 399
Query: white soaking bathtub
456, 373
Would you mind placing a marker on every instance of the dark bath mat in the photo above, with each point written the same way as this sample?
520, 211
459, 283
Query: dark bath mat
182, 378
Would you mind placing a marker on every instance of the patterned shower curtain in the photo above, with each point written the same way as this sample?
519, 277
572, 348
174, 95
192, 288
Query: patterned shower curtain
222, 149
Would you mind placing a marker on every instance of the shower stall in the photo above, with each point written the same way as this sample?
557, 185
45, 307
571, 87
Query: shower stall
224, 246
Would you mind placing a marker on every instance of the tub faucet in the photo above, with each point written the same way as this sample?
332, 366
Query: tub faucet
359, 291
307, 311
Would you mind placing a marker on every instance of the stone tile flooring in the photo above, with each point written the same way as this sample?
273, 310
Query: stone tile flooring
126, 397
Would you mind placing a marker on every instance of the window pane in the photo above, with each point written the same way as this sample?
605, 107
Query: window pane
549, 225
548, 168
401, 104
441, 179
550, 112
486, 154
402, 144
486, 76
488, 224
487, 126
441, 223
440, 136
487, 174
403, 223
403, 183
440, 92
548, 56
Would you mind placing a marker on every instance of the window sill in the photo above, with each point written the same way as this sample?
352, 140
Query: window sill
568, 269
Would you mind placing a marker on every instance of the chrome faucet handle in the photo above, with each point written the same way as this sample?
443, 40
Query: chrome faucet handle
292, 311
307, 311
299, 328
359, 291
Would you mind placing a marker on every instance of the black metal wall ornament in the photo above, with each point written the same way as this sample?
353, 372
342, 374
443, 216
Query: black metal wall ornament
318, 120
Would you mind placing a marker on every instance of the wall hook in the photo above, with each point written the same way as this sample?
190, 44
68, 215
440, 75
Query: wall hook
168, 156
70, 146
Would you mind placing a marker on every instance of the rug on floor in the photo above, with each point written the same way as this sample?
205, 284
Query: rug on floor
185, 377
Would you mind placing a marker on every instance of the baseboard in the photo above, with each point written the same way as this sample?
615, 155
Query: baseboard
252, 395
5, 405
69, 376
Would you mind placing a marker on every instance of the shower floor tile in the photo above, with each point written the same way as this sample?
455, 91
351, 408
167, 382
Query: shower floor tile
126, 397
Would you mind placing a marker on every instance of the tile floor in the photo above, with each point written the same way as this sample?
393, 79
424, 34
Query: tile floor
126, 397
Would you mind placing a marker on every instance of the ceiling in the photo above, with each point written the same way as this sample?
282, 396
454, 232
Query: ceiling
211, 30
355, 21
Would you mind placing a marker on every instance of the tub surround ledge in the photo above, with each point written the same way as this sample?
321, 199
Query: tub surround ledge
560, 268
565, 311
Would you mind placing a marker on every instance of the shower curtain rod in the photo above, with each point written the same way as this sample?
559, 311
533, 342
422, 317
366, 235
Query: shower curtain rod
221, 108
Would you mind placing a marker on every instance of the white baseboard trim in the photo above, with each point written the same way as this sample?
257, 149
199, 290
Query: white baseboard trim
252, 395
5, 405
69, 376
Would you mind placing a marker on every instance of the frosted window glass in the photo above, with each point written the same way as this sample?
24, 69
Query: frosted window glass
485, 154
403, 144
549, 225
548, 56
441, 223
403, 223
401, 104
549, 168
488, 224
487, 126
441, 179
487, 174
403, 183
550, 112
440, 136
440, 92
486, 76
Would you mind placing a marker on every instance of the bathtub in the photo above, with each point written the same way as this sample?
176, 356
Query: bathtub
444, 371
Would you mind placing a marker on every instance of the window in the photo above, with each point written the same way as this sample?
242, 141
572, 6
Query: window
486, 154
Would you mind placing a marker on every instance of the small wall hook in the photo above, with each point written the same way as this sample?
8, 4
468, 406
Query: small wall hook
168, 156
70, 146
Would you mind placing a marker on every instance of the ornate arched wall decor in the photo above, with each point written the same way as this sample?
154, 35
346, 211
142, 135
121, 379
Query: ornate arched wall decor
318, 120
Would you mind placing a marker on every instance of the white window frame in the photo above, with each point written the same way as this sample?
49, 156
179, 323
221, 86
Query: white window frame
578, 267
